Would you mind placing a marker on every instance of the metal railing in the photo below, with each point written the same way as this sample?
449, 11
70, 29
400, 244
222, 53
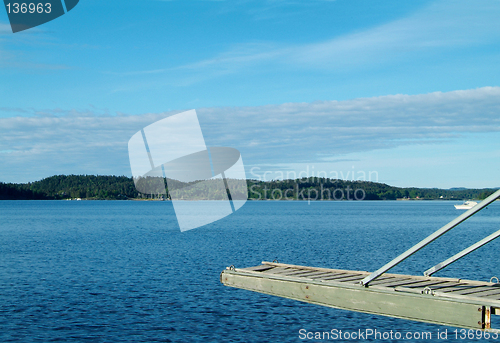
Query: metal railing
435, 236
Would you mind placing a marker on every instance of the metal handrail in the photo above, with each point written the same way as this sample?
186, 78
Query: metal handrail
462, 253
431, 238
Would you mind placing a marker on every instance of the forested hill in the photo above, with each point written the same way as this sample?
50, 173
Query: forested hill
72, 186
122, 187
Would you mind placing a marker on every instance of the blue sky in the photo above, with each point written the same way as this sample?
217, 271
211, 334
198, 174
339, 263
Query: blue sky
406, 89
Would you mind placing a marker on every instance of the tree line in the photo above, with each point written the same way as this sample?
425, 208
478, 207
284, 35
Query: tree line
102, 187
334, 189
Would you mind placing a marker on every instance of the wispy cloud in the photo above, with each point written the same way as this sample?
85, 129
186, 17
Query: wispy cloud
5, 29
269, 9
441, 26
13, 57
91, 141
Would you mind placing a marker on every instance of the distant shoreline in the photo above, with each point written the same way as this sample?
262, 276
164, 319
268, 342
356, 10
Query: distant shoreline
92, 187
252, 200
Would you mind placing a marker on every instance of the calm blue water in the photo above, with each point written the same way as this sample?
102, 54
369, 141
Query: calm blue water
121, 271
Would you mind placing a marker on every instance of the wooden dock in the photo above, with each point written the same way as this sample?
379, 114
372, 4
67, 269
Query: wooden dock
446, 301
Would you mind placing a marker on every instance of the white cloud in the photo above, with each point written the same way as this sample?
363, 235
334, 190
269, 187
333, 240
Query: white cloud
76, 142
58, 141
325, 129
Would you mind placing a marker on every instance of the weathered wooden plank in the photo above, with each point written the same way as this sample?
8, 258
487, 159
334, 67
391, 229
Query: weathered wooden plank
314, 268
260, 268
278, 270
492, 293
353, 278
314, 275
423, 284
384, 279
345, 278
457, 287
425, 288
400, 282
408, 290
327, 276
491, 297
336, 276
471, 290
299, 273
289, 271
307, 273
321, 275
445, 285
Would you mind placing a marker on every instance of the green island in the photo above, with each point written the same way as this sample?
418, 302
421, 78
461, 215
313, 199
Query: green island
92, 187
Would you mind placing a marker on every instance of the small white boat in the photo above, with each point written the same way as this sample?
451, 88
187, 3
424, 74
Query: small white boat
467, 205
